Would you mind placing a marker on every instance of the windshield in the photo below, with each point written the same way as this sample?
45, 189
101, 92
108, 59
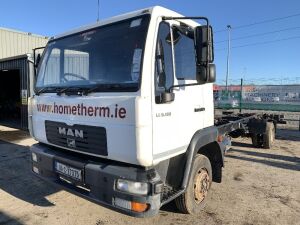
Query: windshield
104, 56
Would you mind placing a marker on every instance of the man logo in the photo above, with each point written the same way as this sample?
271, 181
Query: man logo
70, 132
71, 143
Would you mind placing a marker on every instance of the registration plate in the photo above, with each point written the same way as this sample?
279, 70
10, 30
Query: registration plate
68, 171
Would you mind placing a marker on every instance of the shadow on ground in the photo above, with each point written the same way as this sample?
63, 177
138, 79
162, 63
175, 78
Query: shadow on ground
170, 207
13, 135
241, 144
282, 161
288, 135
292, 159
5, 219
17, 179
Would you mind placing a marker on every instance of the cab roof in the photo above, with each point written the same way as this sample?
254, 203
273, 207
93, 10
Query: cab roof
155, 11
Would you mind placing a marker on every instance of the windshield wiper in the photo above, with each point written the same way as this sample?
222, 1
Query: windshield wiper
46, 90
97, 88
109, 87
102, 87
73, 90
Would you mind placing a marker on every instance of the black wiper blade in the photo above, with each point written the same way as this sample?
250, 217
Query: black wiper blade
96, 88
46, 90
109, 87
73, 90
102, 87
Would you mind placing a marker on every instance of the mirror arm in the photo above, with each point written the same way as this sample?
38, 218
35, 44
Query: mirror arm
208, 36
181, 85
192, 18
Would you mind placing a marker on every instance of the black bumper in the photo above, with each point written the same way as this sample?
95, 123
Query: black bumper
99, 179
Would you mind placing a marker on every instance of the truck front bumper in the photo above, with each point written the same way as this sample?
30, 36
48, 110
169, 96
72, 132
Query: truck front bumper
99, 179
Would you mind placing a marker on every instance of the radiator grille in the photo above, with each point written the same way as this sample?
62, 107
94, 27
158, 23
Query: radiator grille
86, 139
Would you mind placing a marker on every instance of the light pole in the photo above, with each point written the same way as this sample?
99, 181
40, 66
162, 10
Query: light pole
228, 55
98, 11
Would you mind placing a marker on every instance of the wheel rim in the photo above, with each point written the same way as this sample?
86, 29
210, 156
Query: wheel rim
201, 185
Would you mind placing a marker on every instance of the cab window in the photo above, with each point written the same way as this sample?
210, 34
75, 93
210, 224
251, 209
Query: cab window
164, 78
184, 51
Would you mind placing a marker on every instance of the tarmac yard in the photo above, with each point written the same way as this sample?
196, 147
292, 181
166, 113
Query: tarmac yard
259, 187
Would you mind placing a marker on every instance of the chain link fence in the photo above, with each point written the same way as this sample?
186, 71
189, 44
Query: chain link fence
280, 96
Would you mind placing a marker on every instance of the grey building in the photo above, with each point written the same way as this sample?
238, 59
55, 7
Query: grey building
15, 56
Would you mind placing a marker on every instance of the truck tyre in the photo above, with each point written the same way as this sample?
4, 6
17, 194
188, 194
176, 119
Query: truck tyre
269, 136
195, 196
257, 140
236, 133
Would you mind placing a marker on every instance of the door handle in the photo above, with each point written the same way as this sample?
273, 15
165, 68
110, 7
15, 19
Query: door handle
201, 109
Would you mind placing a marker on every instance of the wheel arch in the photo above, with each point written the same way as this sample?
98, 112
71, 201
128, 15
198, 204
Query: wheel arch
204, 142
216, 157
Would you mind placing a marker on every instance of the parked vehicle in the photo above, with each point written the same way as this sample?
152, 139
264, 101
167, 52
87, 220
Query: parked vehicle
123, 113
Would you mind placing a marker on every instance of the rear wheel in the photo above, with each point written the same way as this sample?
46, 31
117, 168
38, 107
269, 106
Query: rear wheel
269, 136
194, 199
257, 140
237, 133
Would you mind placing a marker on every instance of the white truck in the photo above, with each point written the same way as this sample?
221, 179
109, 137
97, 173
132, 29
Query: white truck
123, 113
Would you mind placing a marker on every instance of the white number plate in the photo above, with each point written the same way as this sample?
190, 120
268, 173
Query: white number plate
68, 171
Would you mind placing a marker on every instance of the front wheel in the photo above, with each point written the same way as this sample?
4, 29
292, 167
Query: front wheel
195, 197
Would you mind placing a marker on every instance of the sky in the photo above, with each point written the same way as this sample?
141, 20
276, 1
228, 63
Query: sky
266, 51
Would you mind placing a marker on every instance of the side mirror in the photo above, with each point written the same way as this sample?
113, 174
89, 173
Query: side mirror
37, 60
206, 71
203, 37
206, 74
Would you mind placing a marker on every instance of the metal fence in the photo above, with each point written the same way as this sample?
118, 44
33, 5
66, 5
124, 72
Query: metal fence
263, 96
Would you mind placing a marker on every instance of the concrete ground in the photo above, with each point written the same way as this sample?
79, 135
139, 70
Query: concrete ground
259, 187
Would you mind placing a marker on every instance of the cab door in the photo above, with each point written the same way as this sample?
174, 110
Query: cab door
175, 122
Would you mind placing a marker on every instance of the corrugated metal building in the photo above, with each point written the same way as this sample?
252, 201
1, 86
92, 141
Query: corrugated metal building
14, 43
15, 68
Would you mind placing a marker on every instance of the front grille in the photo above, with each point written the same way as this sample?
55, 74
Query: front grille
86, 139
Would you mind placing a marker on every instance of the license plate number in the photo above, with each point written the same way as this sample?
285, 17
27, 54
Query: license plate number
68, 171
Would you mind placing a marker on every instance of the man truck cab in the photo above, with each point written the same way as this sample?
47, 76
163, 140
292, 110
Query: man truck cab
123, 112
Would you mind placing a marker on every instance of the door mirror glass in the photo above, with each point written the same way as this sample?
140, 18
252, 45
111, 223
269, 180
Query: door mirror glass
206, 71
204, 45
206, 74
37, 60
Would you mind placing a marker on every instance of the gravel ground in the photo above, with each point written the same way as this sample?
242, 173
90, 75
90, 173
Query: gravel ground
259, 187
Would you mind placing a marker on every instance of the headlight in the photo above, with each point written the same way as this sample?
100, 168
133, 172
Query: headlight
132, 187
34, 157
36, 170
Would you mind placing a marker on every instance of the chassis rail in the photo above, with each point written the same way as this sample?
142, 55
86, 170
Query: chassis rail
244, 123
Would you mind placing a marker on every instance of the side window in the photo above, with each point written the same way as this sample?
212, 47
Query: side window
184, 51
164, 78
